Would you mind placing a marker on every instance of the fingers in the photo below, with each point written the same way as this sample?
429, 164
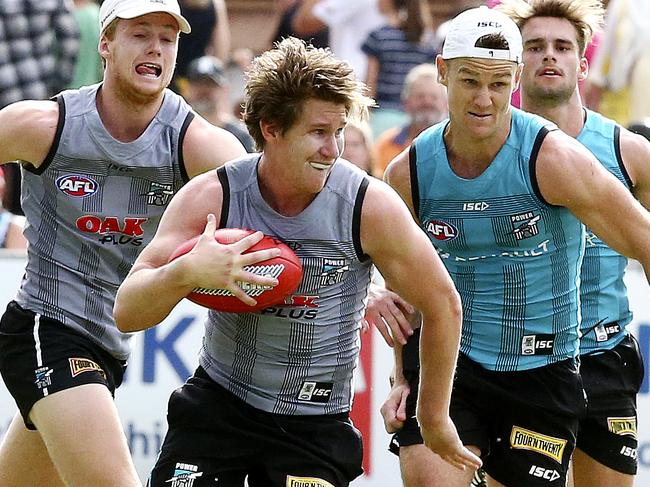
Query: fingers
381, 327
462, 459
258, 256
247, 242
401, 409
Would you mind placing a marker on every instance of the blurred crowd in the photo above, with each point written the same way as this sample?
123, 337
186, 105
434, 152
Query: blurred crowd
48, 46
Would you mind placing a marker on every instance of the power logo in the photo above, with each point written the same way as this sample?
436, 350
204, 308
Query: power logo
523, 439
76, 185
184, 475
306, 482
441, 230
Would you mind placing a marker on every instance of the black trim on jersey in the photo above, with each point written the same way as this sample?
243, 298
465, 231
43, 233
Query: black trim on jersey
181, 138
541, 135
55, 143
356, 220
415, 188
225, 189
619, 157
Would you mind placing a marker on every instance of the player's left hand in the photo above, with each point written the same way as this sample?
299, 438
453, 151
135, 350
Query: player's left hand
390, 314
393, 411
442, 438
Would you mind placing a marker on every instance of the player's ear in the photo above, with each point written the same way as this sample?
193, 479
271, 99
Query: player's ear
441, 64
270, 130
583, 69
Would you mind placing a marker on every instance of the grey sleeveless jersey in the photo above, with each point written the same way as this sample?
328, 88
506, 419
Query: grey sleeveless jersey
91, 207
299, 357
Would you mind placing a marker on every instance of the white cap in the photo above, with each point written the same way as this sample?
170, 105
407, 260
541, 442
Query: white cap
469, 26
130, 9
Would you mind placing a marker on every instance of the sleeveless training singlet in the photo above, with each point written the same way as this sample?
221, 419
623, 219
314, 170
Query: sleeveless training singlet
297, 358
603, 294
514, 258
92, 206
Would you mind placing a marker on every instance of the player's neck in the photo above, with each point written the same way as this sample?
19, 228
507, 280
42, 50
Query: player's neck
568, 115
470, 157
124, 116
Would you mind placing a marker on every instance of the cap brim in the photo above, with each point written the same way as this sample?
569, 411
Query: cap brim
140, 10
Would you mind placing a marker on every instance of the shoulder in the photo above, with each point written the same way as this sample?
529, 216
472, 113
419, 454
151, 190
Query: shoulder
27, 130
635, 153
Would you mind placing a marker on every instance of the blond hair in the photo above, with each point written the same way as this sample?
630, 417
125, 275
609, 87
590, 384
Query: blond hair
282, 79
586, 16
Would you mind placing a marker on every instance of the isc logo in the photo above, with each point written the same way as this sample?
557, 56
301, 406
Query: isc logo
76, 185
441, 230
475, 206
544, 473
537, 344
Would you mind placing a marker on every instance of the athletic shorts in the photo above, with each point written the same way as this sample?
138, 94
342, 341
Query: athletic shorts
608, 431
409, 434
215, 435
40, 356
525, 422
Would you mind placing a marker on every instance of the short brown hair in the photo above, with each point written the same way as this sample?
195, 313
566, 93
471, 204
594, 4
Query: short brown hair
586, 16
283, 78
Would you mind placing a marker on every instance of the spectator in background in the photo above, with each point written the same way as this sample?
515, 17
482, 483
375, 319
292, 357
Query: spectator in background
88, 69
11, 226
210, 35
39, 42
620, 72
206, 91
349, 23
425, 102
406, 40
286, 10
358, 146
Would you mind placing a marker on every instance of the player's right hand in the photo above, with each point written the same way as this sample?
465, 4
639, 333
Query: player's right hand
393, 411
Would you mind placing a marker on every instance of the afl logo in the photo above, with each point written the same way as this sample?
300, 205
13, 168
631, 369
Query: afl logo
76, 185
441, 230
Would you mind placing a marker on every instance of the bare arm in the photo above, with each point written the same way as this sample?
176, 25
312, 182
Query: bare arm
210, 264
411, 267
27, 131
372, 76
206, 147
569, 175
220, 43
635, 151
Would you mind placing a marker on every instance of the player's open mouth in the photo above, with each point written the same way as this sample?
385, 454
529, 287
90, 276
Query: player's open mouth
320, 166
149, 69
549, 72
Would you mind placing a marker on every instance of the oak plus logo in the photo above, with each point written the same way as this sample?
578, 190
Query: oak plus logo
113, 230
441, 230
76, 185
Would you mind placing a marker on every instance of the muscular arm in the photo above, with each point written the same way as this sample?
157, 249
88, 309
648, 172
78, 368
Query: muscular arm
27, 131
569, 175
206, 147
409, 264
209, 264
635, 151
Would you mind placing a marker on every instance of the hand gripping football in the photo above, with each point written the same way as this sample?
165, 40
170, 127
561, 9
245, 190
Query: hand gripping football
286, 268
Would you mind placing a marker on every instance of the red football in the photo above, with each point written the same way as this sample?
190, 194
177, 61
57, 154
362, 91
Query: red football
286, 268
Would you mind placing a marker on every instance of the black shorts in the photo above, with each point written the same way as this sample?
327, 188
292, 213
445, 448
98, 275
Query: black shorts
524, 422
40, 356
213, 434
409, 434
608, 431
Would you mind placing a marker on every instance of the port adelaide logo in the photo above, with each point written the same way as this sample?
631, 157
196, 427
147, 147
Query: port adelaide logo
524, 225
76, 185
